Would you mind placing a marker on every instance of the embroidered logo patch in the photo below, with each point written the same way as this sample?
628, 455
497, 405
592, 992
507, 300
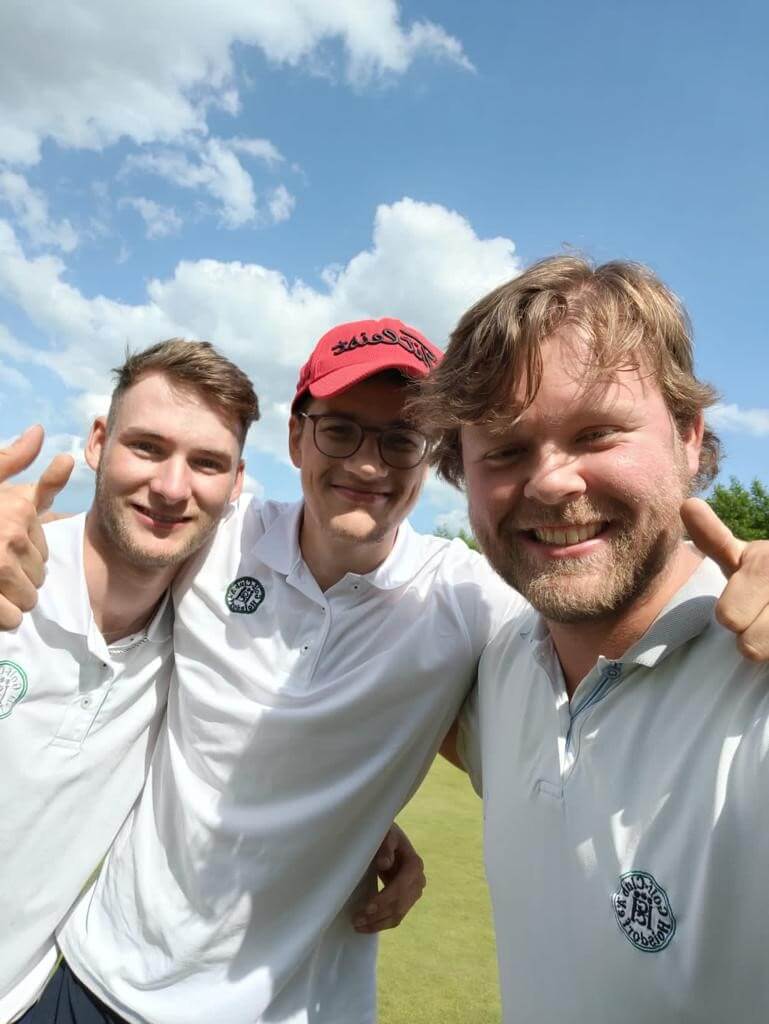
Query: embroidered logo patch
643, 911
13, 686
244, 595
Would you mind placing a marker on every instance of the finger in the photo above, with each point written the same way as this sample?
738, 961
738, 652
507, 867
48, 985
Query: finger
36, 569
747, 592
22, 453
386, 914
711, 536
754, 642
53, 479
19, 590
10, 616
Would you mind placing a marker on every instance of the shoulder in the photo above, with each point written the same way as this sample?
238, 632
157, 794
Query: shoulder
464, 577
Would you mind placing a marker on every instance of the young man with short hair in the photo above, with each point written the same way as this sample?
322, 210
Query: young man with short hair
617, 735
84, 677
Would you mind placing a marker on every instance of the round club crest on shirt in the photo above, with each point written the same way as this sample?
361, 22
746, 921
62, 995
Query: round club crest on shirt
244, 595
643, 911
13, 686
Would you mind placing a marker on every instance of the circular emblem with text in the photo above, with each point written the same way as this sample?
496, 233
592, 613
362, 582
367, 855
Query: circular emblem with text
244, 595
13, 686
643, 911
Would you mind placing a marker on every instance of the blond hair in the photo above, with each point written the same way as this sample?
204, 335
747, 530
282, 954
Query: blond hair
629, 317
195, 366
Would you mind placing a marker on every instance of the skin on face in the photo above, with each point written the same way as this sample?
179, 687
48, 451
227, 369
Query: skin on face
576, 503
165, 472
358, 500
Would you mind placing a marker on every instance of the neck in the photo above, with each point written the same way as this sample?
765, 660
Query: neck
579, 644
330, 558
123, 596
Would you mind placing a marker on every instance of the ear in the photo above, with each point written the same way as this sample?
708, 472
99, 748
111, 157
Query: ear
237, 487
295, 430
692, 439
97, 440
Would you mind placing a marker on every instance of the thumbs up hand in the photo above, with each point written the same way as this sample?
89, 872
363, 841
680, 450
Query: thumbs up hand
744, 605
23, 550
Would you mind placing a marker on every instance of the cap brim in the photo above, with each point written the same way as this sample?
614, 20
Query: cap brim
336, 381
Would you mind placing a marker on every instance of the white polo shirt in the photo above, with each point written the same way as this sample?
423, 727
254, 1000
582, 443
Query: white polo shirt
627, 834
78, 721
299, 724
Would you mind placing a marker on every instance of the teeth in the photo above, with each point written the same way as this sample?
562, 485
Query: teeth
567, 536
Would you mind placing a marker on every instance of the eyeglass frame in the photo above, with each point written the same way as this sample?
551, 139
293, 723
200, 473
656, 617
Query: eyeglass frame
378, 431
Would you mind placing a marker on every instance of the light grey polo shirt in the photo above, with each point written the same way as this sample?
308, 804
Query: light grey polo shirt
626, 831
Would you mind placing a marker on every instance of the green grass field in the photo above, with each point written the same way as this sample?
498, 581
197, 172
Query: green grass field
439, 966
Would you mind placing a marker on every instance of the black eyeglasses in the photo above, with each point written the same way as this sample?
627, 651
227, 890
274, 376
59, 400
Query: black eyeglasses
339, 438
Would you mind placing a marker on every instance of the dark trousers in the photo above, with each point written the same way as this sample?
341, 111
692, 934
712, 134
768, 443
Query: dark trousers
66, 1000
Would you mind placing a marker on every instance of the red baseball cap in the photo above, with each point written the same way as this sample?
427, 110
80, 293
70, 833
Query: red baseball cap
349, 353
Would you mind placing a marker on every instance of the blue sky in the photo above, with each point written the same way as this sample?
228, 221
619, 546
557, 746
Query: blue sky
252, 173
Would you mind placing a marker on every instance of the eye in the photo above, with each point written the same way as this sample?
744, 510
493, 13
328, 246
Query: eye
505, 455
403, 441
596, 435
209, 465
337, 430
144, 447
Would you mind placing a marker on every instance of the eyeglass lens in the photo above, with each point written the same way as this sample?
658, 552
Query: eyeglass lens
399, 447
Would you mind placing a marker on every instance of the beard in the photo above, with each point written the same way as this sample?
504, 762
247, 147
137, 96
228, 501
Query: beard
597, 586
113, 519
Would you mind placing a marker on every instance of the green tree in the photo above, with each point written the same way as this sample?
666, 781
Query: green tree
744, 510
464, 535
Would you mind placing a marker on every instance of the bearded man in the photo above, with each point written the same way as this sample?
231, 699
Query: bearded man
617, 734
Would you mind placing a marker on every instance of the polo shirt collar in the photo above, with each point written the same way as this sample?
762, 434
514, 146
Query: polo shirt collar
63, 598
685, 616
278, 548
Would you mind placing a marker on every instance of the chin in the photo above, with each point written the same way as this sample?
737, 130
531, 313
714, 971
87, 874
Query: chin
358, 526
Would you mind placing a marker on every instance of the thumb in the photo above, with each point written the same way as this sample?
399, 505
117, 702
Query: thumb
22, 453
52, 481
711, 536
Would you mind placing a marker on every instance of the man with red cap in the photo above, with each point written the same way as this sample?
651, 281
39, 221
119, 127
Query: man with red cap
322, 651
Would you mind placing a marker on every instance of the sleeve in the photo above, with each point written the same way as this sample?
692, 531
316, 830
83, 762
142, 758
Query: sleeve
469, 739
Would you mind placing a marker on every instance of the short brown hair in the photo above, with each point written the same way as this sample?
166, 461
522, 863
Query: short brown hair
195, 366
628, 316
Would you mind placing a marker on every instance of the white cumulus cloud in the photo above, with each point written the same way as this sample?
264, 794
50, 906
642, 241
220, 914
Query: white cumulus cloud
280, 204
30, 209
261, 149
87, 74
425, 264
214, 169
159, 221
744, 421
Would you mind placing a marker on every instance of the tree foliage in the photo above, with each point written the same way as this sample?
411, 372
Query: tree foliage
464, 535
745, 510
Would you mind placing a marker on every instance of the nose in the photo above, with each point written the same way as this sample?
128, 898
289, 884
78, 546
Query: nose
171, 481
367, 463
555, 477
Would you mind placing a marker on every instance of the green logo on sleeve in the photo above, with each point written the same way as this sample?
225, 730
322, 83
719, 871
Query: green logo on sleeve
13, 686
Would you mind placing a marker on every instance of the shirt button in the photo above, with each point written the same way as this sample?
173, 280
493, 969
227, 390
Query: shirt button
85, 702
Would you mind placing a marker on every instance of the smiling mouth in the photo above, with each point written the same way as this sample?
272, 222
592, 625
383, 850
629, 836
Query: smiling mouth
361, 491
566, 536
160, 517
